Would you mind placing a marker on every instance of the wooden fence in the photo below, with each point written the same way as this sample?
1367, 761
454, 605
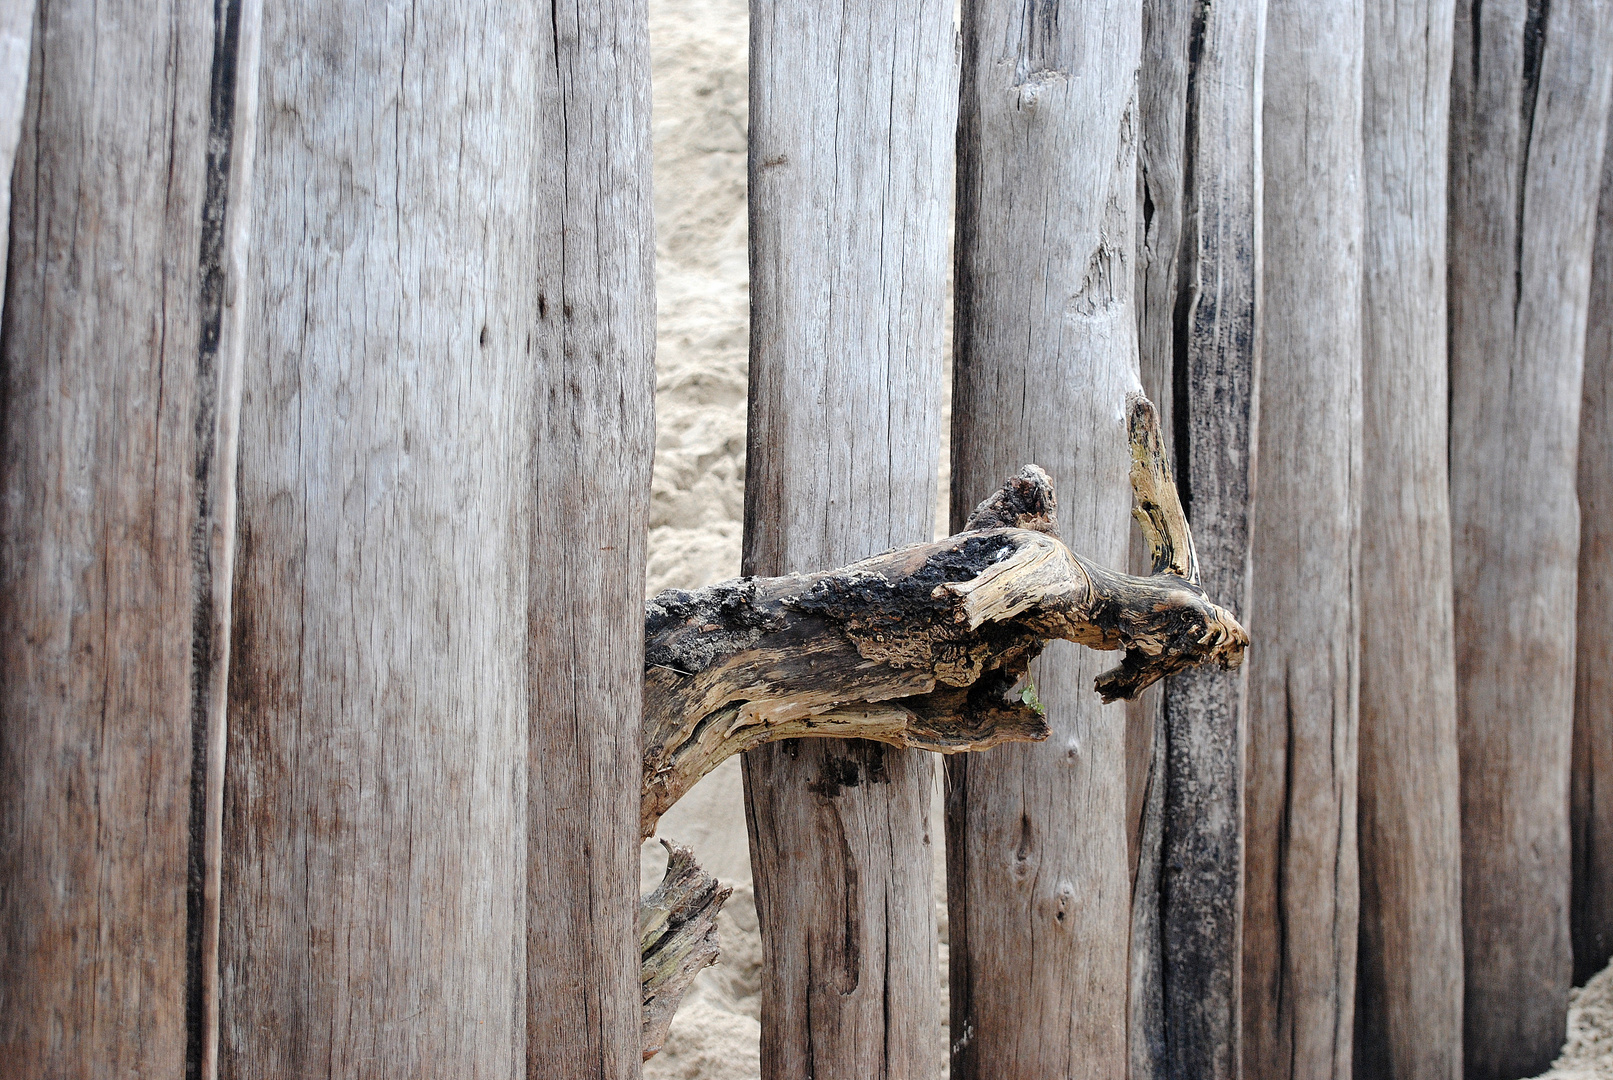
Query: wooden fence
326, 394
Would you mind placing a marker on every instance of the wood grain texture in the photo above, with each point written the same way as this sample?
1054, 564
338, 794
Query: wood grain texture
1408, 1023
1300, 885
1592, 786
592, 444
1198, 282
431, 841
851, 151
1045, 346
1528, 112
116, 408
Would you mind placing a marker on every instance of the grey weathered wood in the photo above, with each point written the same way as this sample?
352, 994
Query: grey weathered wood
1408, 1022
120, 359
1300, 885
851, 132
1592, 808
431, 826
1528, 110
1045, 347
1198, 283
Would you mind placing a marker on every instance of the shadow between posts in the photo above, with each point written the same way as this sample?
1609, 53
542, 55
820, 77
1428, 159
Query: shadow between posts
926, 647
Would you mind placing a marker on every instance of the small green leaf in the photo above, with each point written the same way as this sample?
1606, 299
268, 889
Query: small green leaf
1028, 696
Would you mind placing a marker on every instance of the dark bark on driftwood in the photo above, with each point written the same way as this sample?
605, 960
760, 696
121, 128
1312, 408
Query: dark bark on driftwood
925, 647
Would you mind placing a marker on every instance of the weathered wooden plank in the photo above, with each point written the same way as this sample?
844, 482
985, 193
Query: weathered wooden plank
120, 362
1198, 297
1408, 1023
596, 265
431, 821
1045, 347
851, 151
1300, 885
1592, 786
1528, 111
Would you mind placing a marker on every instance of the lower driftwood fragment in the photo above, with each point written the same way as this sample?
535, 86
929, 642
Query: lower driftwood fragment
677, 927
926, 646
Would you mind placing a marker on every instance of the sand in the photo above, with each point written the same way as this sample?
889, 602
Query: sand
697, 497
699, 74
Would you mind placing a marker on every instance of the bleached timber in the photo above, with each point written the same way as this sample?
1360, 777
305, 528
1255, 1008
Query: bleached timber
1300, 882
1045, 352
852, 118
1592, 807
435, 691
116, 480
1529, 109
1408, 1020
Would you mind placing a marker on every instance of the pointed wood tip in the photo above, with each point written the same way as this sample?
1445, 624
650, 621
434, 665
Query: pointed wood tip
1025, 501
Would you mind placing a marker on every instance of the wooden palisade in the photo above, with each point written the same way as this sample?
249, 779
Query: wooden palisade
1408, 1022
1529, 107
1198, 292
850, 160
435, 693
1300, 884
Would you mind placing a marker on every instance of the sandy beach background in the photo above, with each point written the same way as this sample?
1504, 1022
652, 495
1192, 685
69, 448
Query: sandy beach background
699, 77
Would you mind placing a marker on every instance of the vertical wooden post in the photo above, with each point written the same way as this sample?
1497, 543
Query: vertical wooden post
592, 445
1045, 348
116, 483
851, 147
1198, 299
1300, 891
431, 817
1528, 115
1409, 985
1592, 810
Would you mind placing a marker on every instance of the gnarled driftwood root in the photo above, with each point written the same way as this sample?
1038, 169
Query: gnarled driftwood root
926, 646
677, 927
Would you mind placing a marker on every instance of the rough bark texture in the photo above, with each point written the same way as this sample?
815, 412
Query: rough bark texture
1528, 114
925, 646
1408, 1020
851, 122
1300, 886
1045, 347
435, 705
677, 928
1199, 186
117, 368
1592, 810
